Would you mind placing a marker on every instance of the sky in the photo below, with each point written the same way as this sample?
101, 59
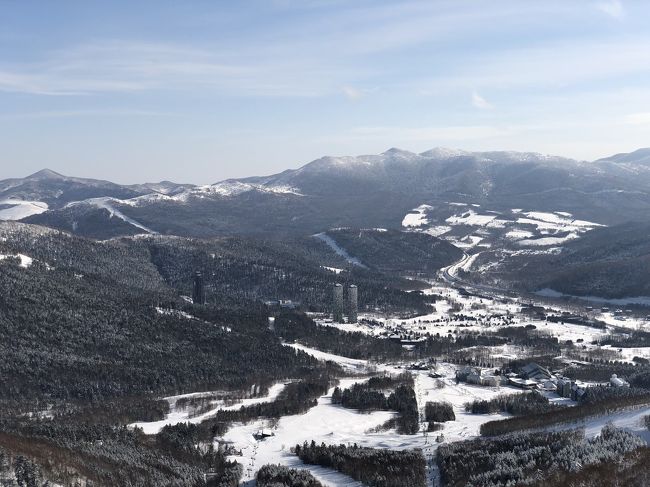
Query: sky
201, 91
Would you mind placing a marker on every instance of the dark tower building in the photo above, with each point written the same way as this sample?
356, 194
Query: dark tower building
337, 303
353, 304
198, 293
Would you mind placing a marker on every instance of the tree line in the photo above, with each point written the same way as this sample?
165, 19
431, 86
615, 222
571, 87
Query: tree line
373, 467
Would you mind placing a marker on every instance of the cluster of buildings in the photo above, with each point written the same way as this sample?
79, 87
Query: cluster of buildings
341, 306
478, 376
531, 376
345, 301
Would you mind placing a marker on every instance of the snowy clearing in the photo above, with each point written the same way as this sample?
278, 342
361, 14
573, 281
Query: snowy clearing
345, 362
19, 209
548, 241
183, 415
25, 261
417, 217
338, 249
107, 204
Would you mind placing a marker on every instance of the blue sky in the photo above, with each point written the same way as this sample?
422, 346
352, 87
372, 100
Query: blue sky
200, 91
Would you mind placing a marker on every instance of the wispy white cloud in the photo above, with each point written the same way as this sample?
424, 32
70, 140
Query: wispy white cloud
344, 46
551, 65
107, 112
637, 119
433, 134
613, 8
351, 92
120, 66
481, 103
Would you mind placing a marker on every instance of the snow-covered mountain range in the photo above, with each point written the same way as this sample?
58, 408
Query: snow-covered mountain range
368, 191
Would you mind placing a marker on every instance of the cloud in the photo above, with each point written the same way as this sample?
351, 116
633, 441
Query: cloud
481, 103
552, 65
335, 44
108, 112
613, 8
637, 119
124, 67
433, 134
116, 66
351, 92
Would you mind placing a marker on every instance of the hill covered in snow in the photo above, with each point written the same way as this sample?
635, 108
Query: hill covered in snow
365, 191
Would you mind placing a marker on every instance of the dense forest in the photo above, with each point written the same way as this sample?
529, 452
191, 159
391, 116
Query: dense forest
113, 456
280, 476
369, 396
293, 326
373, 467
597, 401
396, 251
527, 458
610, 262
439, 412
81, 323
529, 403
238, 270
632, 470
92, 333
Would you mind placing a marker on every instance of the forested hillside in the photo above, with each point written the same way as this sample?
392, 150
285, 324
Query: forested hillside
237, 270
609, 262
396, 251
97, 331
81, 322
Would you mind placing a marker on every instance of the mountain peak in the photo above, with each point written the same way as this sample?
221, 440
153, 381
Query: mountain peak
45, 174
394, 151
443, 153
639, 156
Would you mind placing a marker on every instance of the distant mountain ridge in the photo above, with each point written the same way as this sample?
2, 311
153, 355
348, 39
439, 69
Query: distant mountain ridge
375, 190
57, 190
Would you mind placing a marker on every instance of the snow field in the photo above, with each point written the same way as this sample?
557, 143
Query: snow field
417, 217
25, 261
531, 228
179, 415
333, 424
20, 209
338, 249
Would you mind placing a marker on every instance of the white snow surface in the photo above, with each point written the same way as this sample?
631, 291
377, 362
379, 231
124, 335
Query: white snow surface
416, 217
107, 204
437, 230
234, 188
519, 234
177, 415
335, 270
21, 209
548, 241
333, 424
470, 218
345, 362
642, 300
25, 261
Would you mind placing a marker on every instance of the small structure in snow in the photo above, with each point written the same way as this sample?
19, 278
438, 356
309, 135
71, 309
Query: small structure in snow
522, 383
564, 387
263, 434
616, 381
535, 371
